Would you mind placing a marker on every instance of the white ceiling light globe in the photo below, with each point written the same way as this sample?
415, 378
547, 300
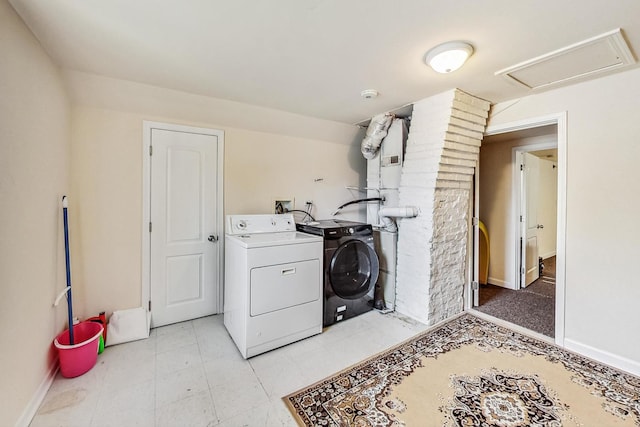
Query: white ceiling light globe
449, 56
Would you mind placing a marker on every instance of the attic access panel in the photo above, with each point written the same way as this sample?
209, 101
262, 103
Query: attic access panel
582, 60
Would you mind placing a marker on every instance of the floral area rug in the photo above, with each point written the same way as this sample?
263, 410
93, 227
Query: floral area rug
471, 372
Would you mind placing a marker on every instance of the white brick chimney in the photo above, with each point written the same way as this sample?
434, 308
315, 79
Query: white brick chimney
437, 176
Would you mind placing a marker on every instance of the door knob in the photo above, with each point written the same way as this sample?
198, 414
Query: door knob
540, 226
212, 238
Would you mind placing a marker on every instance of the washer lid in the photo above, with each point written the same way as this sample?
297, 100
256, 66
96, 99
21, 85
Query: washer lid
259, 240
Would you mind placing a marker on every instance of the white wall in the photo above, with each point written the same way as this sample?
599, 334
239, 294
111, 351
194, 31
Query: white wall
34, 164
603, 232
275, 155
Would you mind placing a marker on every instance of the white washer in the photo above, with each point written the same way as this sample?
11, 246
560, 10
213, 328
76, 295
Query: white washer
273, 282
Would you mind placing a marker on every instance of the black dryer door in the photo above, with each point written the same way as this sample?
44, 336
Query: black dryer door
354, 269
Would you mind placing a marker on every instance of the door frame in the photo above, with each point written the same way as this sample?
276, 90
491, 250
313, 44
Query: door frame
147, 126
559, 119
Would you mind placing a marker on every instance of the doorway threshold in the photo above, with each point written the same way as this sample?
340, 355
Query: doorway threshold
512, 326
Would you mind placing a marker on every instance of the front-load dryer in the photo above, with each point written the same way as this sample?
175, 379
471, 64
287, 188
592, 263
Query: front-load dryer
351, 267
273, 282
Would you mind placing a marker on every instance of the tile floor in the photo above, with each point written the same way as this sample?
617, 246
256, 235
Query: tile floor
191, 374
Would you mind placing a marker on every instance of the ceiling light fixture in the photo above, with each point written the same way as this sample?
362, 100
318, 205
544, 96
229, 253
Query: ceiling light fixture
448, 57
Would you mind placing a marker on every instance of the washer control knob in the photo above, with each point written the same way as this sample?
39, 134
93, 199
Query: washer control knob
350, 230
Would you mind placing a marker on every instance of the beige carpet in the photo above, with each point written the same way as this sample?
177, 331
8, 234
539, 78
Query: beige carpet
470, 372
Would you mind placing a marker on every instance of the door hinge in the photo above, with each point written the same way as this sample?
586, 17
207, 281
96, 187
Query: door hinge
475, 285
520, 218
521, 167
150, 227
521, 270
475, 221
151, 150
149, 306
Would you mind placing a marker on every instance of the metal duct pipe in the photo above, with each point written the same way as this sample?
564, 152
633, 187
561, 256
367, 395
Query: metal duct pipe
376, 132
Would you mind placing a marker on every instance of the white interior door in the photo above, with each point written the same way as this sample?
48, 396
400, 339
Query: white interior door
530, 186
184, 260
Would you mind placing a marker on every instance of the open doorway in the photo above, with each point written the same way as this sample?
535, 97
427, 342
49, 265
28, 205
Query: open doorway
522, 293
520, 204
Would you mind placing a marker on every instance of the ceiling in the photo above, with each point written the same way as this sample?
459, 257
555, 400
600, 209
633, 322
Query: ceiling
532, 132
541, 133
550, 154
314, 57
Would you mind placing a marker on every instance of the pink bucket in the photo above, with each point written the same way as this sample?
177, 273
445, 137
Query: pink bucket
80, 357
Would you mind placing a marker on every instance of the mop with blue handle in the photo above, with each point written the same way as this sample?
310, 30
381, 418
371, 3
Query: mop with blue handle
65, 204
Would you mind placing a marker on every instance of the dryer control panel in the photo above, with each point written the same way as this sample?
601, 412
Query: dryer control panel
252, 224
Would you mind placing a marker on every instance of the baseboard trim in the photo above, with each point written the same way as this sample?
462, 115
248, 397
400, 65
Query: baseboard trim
602, 356
499, 282
35, 402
